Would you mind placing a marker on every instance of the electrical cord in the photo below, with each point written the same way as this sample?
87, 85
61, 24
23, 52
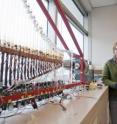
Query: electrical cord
60, 104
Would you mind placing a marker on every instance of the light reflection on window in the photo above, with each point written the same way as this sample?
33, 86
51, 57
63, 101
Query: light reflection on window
73, 9
62, 28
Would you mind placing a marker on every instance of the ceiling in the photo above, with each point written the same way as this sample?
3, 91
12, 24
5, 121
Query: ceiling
100, 3
89, 4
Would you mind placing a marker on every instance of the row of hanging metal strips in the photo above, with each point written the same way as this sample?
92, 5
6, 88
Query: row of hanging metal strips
15, 68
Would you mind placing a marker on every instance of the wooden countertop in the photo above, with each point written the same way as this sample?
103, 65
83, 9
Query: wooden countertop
77, 110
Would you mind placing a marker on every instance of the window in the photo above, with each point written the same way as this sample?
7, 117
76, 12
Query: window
80, 30
62, 28
73, 9
78, 35
39, 14
86, 46
17, 24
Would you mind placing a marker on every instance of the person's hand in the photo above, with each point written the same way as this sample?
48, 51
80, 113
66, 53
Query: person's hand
114, 86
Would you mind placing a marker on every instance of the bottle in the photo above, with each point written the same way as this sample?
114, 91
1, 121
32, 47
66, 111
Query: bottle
91, 71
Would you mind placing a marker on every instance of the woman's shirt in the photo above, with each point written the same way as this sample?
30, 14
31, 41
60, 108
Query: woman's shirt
110, 75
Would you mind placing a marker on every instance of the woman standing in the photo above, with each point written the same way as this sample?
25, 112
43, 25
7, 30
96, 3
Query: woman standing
110, 79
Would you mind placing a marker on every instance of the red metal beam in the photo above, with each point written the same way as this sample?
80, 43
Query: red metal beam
36, 92
61, 11
57, 3
40, 3
76, 56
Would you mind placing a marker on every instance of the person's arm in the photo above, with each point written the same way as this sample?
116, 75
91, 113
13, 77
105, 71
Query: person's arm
106, 76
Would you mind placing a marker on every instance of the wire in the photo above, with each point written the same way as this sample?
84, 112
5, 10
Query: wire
60, 104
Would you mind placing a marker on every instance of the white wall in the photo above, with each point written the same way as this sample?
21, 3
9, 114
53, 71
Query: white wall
104, 33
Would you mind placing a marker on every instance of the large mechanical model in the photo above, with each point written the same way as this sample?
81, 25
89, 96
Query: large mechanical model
29, 75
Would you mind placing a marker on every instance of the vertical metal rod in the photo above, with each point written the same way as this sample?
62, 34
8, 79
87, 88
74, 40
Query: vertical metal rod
8, 77
16, 73
12, 71
18, 68
31, 69
1, 64
6, 70
36, 67
21, 68
28, 68
24, 68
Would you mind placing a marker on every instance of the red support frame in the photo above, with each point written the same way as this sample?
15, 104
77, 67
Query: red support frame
40, 3
57, 3
62, 13
37, 92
